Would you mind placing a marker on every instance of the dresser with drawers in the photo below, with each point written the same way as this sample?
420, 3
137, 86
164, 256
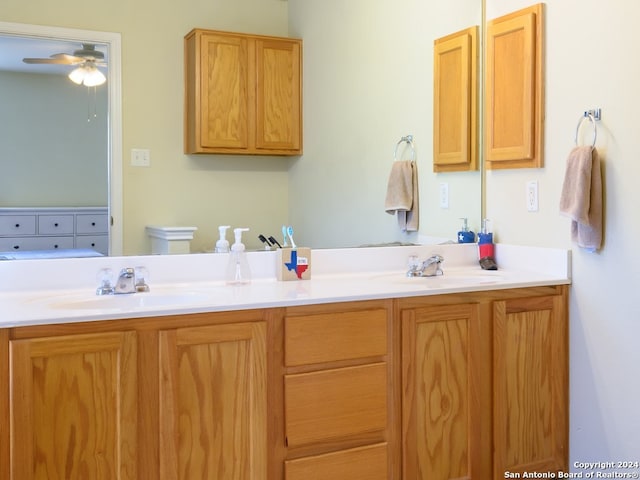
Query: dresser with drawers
53, 228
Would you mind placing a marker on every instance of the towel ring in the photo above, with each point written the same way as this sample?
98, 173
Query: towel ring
409, 140
588, 115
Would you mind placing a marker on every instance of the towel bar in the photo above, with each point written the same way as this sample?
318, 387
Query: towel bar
406, 139
592, 115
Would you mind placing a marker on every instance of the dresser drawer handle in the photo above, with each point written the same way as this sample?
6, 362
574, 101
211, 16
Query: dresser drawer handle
16, 247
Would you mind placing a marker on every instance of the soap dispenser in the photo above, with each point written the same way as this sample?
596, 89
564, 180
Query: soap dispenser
238, 271
222, 245
465, 235
486, 249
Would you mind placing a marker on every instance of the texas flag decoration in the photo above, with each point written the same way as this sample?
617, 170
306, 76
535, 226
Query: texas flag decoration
295, 263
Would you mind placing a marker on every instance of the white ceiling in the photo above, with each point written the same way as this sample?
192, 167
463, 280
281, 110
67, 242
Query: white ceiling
14, 48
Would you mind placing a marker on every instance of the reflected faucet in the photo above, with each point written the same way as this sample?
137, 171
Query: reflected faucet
130, 280
431, 267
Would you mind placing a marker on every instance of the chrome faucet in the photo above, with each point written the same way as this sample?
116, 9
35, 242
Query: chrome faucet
431, 267
130, 280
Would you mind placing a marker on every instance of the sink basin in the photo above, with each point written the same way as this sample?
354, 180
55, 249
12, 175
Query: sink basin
156, 298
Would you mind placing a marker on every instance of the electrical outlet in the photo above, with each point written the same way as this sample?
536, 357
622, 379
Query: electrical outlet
444, 195
532, 196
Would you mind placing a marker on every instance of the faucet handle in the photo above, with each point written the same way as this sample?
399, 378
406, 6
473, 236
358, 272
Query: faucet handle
141, 275
105, 280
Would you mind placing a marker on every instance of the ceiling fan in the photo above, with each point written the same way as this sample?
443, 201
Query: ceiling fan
87, 60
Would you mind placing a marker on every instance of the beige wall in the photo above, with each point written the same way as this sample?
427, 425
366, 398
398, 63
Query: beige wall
202, 191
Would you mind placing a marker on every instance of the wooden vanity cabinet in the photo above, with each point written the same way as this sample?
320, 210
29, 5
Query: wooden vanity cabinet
176, 397
242, 94
484, 384
439, 387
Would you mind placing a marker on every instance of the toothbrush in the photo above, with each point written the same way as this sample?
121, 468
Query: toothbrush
284, 236
290, 234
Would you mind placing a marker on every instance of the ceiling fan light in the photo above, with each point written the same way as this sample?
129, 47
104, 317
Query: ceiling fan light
94, 77
77, 75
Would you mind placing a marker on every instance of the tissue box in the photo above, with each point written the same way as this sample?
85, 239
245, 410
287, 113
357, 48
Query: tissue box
294, 264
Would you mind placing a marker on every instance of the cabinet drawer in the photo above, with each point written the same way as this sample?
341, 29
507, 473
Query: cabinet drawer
368, 463
35, 243
55, 224
336, 403
92, 223
335, 336
17, 225
99, 243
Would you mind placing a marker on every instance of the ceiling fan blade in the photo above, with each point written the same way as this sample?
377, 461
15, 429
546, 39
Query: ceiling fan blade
58, 58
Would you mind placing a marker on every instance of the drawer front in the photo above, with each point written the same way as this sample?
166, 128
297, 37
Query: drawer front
16, 244
92, 223
368, 463
55, 224
335, 336
333, 404
17, 225
99, 243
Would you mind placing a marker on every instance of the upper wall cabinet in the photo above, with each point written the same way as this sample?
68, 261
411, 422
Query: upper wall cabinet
514, 90
455, 102
242, 94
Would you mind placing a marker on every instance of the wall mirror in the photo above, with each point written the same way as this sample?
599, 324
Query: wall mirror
62, 142
433, 21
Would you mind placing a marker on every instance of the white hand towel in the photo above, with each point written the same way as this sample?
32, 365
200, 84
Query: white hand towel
402, 194
581, 198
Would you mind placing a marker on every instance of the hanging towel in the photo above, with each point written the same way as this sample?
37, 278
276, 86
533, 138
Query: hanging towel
581, 197
402, 194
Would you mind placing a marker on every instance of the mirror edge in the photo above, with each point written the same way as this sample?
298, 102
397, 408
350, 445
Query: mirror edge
113, 40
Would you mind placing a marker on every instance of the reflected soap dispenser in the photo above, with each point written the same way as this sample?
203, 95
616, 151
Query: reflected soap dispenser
238, 271
222, 245
465, 235
486, 249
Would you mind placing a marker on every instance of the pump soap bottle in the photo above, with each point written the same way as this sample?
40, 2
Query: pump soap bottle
465, 235
222, 245
486, 249
238, 271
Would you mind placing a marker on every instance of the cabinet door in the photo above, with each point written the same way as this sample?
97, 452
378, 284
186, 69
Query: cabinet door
278, 103
213, 402
73, 407
514, 90
455, 98
530, 385
445, 393
224, 91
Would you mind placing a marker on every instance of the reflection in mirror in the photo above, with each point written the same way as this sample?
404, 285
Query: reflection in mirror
59, 145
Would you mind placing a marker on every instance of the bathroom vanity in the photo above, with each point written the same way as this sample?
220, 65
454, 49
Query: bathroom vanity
366, 374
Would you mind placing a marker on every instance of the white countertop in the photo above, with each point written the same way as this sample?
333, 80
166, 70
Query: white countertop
62, 291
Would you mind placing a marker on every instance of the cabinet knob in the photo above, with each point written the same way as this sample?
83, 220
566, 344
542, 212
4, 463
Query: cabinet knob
93, 244
55, 246
17, 225
55, 224
16, 247
93, 224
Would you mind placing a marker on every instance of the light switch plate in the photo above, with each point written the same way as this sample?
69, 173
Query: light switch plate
140, 157
444, 195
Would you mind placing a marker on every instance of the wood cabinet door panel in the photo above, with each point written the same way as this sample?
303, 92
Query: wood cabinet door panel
213, 402
73, 407
530, 385
278, 102
224, 101
444, 404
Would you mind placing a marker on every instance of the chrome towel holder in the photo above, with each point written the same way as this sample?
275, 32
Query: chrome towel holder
408, 139
592, 116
